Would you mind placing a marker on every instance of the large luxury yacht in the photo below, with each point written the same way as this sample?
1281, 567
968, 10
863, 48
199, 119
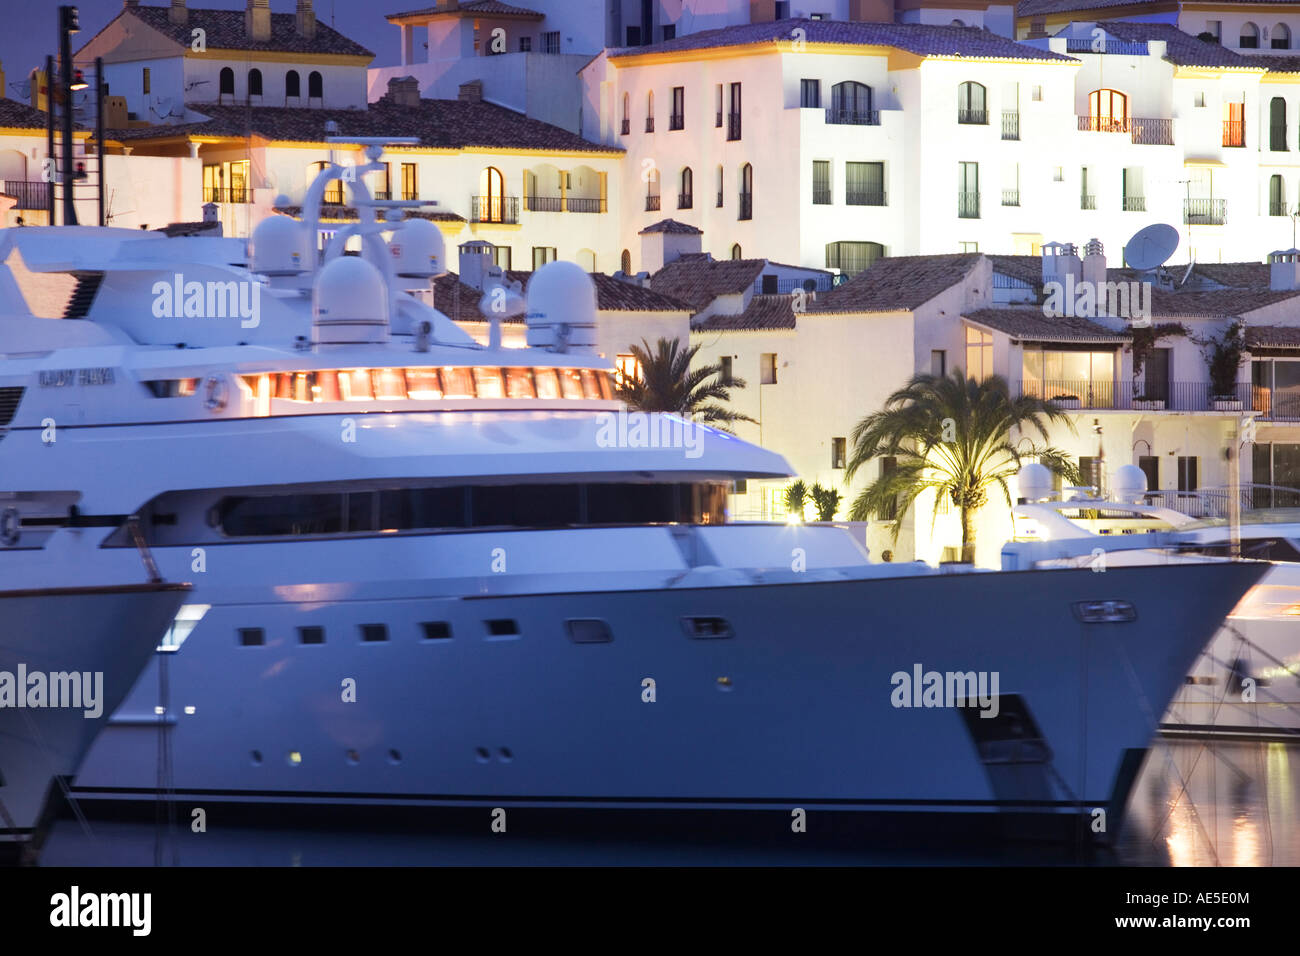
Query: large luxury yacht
432, 572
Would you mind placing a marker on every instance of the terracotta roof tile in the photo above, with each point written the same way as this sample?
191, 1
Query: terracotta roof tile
1031, 324
921, 39
1029, 8
612, 295
896, 284
1273, 336
698, 282
480, 8
21, 116
225, 31
672, 226
1215, 303
1236, 275
763, 312
449, 124
1182, 49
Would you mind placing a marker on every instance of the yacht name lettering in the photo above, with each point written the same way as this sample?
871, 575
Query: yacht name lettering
64, 377
208, 300
922, 688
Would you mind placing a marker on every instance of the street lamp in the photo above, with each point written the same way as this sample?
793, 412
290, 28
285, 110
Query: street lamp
78, 81
68, 25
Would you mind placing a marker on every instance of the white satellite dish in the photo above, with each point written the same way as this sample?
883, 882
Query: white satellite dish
1150, 248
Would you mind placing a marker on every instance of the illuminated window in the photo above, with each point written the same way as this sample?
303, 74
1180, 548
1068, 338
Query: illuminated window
488, 382
1108, 111
628, 367
979, 354
548, 383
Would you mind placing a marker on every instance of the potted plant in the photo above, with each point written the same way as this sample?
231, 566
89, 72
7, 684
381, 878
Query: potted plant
1066, 401
1222, 359
1145, 403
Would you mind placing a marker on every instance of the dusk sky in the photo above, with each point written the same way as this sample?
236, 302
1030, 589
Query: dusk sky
32, 28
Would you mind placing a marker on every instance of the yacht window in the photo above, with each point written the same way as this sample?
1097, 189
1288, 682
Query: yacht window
548, 383
707, 628
571, 382
457, 383
502, 627
423, 384
311, 635
355, 385
252, 636
488, 382
589, 631
519, 383
436, 630
390, 383
374, 633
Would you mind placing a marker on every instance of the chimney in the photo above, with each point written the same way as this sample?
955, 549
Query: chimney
209, 212
1061, 264
471, 92
177, 14
305, 21
667, 241
1094, 269
128, 4
404, 91
257, 20
476, 265
871, 11
1284, 270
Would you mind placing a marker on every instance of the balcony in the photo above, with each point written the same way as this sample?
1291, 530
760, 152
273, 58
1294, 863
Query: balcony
746, 206
733, 127
649, 124
1234, 133
1141, 397
864, 197
784, 286
1204, 212
544, 204
383, 194
627, 127
968, 205
676, 121
1141, 131
1277, 138
1087, 202
409, 195
236, 194
497, 209
973, 117
1010, 124
1277, 208
32, 195
1011, 197
821, 196
839, 117
584, 204
651, 203
1276, 404
1135, 203
685, 200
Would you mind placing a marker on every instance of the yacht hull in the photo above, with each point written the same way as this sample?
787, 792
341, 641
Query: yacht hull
108, 633
793, 701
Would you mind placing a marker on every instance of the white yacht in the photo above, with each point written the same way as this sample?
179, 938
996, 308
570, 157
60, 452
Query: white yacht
68, 657
433, 573
1247, 682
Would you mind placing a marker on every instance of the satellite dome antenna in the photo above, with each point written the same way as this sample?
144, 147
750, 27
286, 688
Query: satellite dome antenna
1151, 247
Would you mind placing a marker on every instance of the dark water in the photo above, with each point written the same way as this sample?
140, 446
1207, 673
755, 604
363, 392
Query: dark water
1195, 804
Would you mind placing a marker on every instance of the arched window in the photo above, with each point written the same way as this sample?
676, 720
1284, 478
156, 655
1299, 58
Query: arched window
292, 85
852, 257
852, 103
652, 201
1280, 37
1277, 124
686, 196
1108, 111
627, 113
1249, 36
226, 82
315, 86
492, 196
746, 192
721, 177
1276, 196
735, 252
625, 262
972, 104
650, 112
254, 82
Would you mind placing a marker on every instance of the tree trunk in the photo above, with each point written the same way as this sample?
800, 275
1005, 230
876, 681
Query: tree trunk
967, 538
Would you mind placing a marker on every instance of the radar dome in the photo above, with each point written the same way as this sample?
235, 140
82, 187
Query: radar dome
562, 308
280, 247
1129, 484
418, 250
349, 303
1035, 482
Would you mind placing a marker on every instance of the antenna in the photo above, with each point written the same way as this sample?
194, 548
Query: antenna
1150, 248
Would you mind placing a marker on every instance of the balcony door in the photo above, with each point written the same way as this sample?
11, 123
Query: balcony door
851, 102
492, 190
1108, 111
1155, 372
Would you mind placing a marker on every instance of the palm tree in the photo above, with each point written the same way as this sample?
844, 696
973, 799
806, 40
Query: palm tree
951, 435
667, 383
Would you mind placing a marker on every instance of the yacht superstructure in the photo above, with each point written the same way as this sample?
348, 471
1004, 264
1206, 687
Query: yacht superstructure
439, 573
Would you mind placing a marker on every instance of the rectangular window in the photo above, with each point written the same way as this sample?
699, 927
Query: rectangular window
436, 630
542, 255
733, 120
979, 354
810, 94
252, 636
1198, 99
551, 41
718, 118
767, 368
144, 80
965, 247
821, 182
968, 190
670, 31
677, 119
501, 257
782, 9
311, 635
1090, 472
839, 448
889, 465
1037, 94
725, 363
864, 184
1187, 473
628, 367
410, 184
525, 44
1150, 465
938, 363
1215, 29
633, 36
